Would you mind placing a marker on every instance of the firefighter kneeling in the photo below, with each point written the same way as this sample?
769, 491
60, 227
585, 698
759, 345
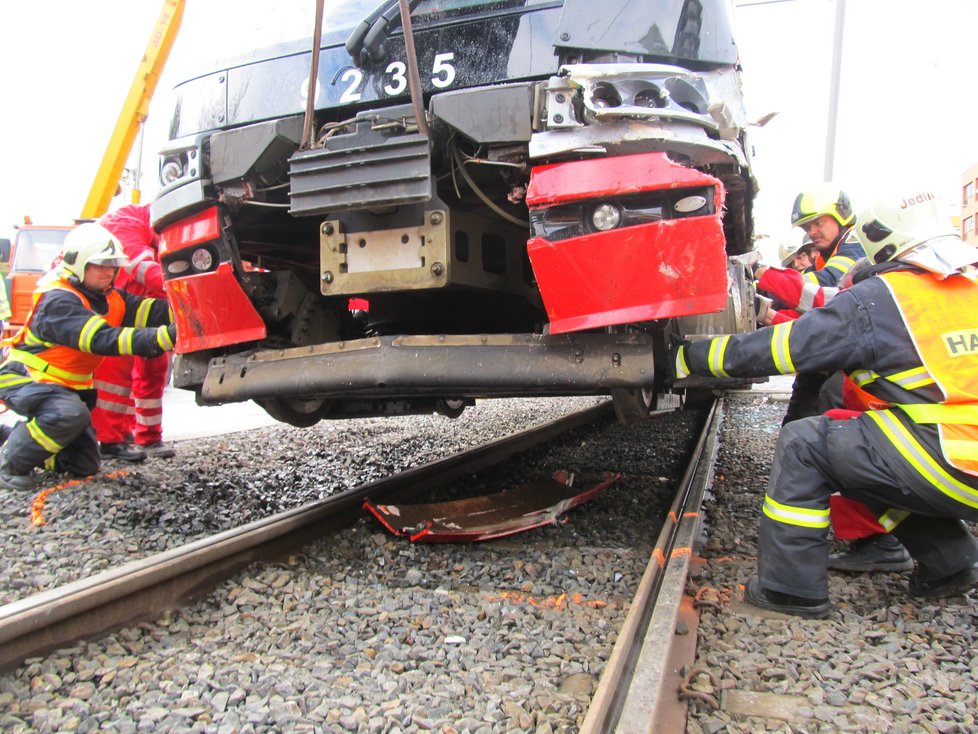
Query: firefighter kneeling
77, 317
905, 332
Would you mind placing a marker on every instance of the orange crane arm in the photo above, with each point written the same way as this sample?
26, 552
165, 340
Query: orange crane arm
134, 110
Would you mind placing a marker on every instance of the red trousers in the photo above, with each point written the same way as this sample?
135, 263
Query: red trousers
130, 399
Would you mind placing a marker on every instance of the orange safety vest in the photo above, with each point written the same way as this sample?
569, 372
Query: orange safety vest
940, 316
60, 363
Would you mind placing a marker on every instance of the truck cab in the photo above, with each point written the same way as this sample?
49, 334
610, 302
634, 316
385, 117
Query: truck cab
33, 250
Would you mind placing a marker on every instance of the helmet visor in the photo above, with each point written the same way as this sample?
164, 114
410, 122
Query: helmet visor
116, 262
942, 256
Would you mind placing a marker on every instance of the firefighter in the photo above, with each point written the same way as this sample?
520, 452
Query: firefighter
130, 388
76, 318
797, 253
826, 215
905, 332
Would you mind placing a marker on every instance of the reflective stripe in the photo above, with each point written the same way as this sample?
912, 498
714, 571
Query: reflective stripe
88, 332
137, 260
149, 420
163, 338
806, 301
811, 278
142, 312
46, 442
891, 518
114, 389
125, 340
682, 368
863, 377
828, 294
802, 516
781, 348
148, 403
717, 347
11, 379
141, 271
840, 263
36, 363
912, 378
919, 459
113, 407
942, 413
32, 340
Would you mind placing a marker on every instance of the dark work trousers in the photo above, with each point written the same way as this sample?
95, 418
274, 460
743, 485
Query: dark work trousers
815, 457
804, 396
59, 415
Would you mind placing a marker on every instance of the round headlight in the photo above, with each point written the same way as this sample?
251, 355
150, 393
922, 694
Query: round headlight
605, 217
171, 170
175, 267
202, 259
689, 204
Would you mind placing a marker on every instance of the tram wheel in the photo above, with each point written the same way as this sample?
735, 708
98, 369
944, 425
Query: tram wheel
633, 405
299, 412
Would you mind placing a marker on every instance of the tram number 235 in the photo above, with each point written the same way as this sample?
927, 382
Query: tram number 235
442, 75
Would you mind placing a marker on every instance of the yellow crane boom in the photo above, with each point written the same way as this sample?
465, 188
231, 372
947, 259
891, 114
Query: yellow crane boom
134, 110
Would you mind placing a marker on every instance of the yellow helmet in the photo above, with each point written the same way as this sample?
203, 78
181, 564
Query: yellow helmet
819, 202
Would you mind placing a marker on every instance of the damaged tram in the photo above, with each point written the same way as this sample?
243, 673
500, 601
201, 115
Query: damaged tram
538, 211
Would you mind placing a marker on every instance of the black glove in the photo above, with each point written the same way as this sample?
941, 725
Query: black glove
171, 329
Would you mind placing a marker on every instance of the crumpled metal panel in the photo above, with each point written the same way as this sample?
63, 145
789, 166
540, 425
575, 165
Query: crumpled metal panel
543, 501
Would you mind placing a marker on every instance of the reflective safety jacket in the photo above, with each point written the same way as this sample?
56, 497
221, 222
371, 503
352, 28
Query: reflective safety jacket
906, 339
817, 287
70, 330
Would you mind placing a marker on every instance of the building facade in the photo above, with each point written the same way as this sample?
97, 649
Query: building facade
969, 205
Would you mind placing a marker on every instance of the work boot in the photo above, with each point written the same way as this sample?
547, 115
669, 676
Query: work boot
20, 482
775, 601
952, 585
881, 552
121, 451
158, 449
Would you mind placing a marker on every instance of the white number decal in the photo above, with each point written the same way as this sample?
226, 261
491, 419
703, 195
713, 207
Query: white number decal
352, 93
441, 66
398, 72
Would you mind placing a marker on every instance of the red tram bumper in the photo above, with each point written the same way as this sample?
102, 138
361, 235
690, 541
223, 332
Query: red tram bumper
209, 305
665, 258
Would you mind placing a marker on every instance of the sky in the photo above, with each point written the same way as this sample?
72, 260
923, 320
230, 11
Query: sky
908, 116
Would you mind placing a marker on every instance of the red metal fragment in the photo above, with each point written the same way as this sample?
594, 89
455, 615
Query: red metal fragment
542, 501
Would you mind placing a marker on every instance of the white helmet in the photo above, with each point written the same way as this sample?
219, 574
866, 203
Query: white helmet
792, 244
913, 228
90, 244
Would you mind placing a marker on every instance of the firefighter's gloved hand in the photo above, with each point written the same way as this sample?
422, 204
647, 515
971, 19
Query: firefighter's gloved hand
750, 260
171, 329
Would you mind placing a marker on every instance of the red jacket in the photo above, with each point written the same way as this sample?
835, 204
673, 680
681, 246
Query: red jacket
143, 276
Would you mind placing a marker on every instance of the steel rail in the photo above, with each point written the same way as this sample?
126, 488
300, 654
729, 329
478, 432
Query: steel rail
638, 690
143, 589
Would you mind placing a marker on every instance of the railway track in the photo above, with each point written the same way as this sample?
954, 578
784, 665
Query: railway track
640, 679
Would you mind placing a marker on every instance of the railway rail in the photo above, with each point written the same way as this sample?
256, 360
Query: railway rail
639, 683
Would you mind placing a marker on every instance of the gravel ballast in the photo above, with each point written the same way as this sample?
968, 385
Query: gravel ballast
365, 632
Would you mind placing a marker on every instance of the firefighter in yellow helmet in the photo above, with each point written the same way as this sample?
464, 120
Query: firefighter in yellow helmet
906, 333
77, 317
